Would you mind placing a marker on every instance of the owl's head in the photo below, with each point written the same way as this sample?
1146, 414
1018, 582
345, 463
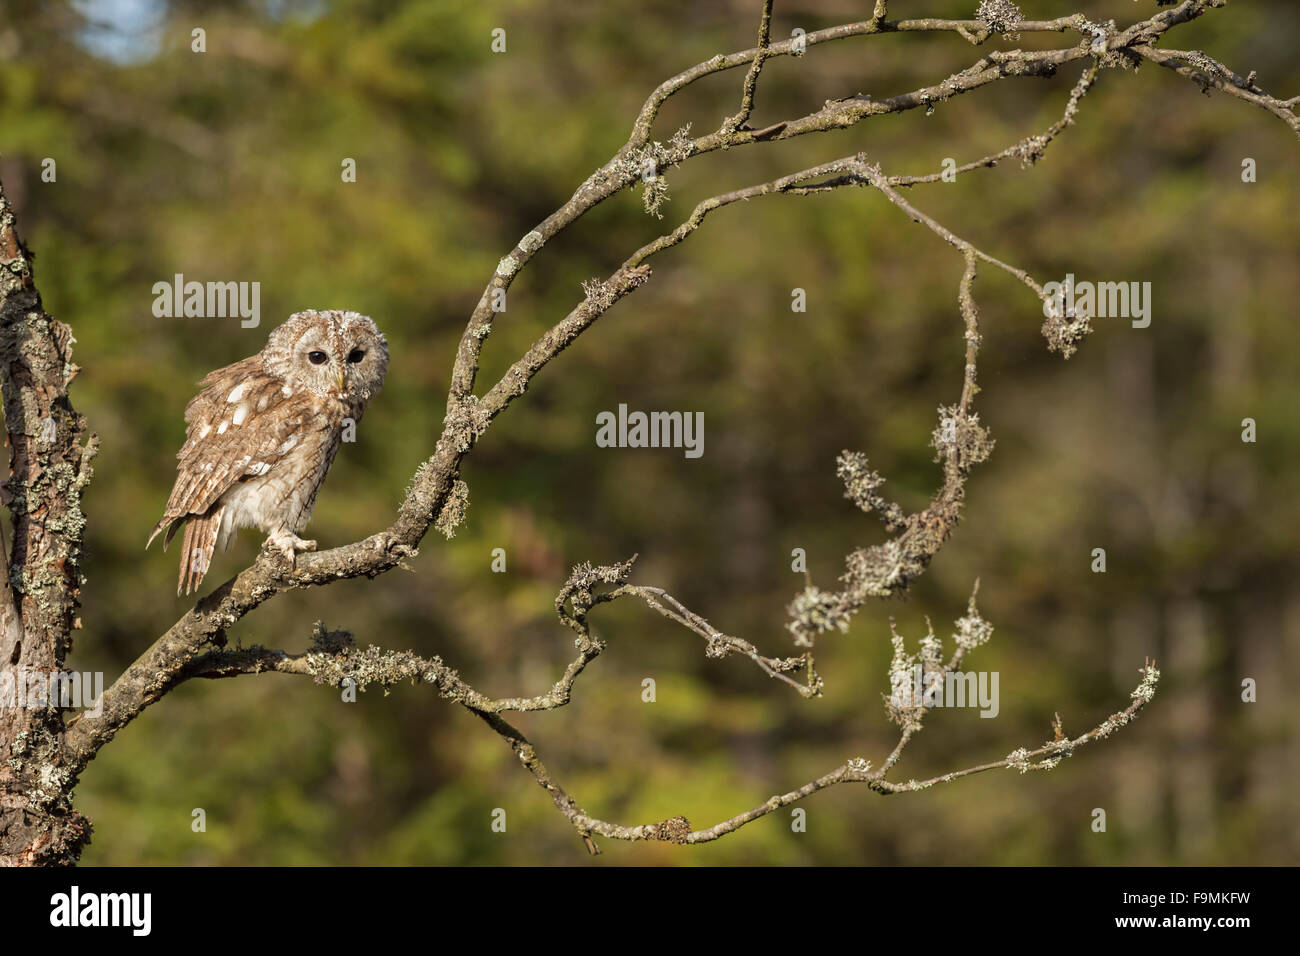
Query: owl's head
334, 353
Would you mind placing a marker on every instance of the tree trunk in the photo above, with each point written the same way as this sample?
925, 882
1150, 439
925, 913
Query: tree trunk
41, 581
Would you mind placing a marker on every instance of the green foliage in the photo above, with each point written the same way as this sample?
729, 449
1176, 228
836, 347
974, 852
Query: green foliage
226, 165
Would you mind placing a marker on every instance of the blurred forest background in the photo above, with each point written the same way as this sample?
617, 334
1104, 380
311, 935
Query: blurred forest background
226, 166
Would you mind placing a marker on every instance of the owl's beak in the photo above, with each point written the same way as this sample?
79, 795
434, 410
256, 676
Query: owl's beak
338, 376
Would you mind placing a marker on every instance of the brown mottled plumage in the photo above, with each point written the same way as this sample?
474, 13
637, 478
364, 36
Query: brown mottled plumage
263, 433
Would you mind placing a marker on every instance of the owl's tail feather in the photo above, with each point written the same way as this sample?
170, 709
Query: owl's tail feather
196, 549
172, 526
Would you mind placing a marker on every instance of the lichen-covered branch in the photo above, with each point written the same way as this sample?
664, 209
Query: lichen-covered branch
741, 119
1028, 150
960, 442
1209, 73
334, 660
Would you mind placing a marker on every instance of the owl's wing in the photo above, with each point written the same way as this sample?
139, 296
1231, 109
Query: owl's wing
241, 425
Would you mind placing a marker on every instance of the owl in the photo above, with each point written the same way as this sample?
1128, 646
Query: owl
263, 433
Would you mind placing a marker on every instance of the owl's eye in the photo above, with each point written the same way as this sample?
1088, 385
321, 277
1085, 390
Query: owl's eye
317, 358
356, 355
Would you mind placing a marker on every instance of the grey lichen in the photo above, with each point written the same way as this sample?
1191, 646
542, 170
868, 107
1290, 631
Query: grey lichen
1030, 150
648, 164
1001, 16
531, 242
961, 435
859, 767
1098, 34
578, 594
464, 423
453, 509
880, 570
861, 486
654, 194
334, 659
598, 295
1147, 688
815, 611
972, 630
1064, 332
674, 830
903, 705
1018, 759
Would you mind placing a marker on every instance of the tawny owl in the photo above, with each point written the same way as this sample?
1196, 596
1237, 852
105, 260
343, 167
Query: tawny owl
263, 434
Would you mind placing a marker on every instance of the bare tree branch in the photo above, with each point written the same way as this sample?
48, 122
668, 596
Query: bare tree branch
740, 120
334, 661
1207, 72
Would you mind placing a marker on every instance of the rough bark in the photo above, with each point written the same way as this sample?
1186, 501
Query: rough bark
39, 595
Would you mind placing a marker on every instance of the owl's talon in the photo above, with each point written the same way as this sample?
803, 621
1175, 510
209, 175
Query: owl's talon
388, 544
289, 544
